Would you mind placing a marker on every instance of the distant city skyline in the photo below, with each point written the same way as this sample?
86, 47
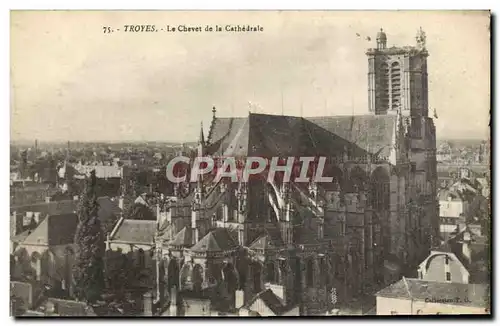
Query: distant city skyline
69, 81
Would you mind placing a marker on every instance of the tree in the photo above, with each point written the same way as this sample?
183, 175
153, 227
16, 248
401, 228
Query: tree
88, 271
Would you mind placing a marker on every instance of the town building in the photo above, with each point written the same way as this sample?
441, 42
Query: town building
465, 258
42, 241
419, 297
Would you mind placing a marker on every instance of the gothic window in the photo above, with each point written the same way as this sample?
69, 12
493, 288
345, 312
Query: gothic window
270, 272
416, 125
173, 273
186, 277
384, 86
324, 270
448, 276
68, 256
230, 277
310, 272
197, 277
36, 265
337, 175
395, 85
380, 192
141, 259
256, 276
446, 260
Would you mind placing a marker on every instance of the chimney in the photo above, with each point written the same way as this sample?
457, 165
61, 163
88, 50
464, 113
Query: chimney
147, 301
120, 203
239, 300
47, 199
173, 301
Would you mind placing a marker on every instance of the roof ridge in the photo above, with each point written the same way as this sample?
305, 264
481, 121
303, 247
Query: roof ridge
138, 221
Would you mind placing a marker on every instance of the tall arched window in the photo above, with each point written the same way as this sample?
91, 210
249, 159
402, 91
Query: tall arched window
141, 259
358, 179
230, 277
197, 277
270, 272
310, 272
395, 85
68, 263
36, 265
173, 273
384, 86
186, 276
257, 276
324, 271
380, 192
337, 175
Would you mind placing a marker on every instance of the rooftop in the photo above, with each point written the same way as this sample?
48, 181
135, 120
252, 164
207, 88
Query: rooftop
135, 231
217, 240
474, 295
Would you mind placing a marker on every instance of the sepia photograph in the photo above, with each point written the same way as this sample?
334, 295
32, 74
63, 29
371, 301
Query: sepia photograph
250, 163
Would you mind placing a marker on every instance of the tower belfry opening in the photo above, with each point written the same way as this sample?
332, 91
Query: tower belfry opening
397, 77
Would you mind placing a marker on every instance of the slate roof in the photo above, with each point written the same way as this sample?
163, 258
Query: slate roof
54, 230
217, 240
443, 195
101, 171
271, 300
270, 135
135, 231
166, 231
370, 132
107, 208
21, 236
475, 295
223, 131
271, 239
183, 239
54, 207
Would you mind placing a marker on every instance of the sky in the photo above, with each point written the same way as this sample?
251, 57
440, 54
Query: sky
71, 81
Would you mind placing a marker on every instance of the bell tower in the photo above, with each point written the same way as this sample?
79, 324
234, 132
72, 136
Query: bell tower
397, 77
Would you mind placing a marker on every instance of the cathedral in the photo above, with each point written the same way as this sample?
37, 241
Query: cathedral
315, 245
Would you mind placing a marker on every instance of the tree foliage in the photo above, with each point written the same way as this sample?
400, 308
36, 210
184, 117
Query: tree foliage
88, 270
